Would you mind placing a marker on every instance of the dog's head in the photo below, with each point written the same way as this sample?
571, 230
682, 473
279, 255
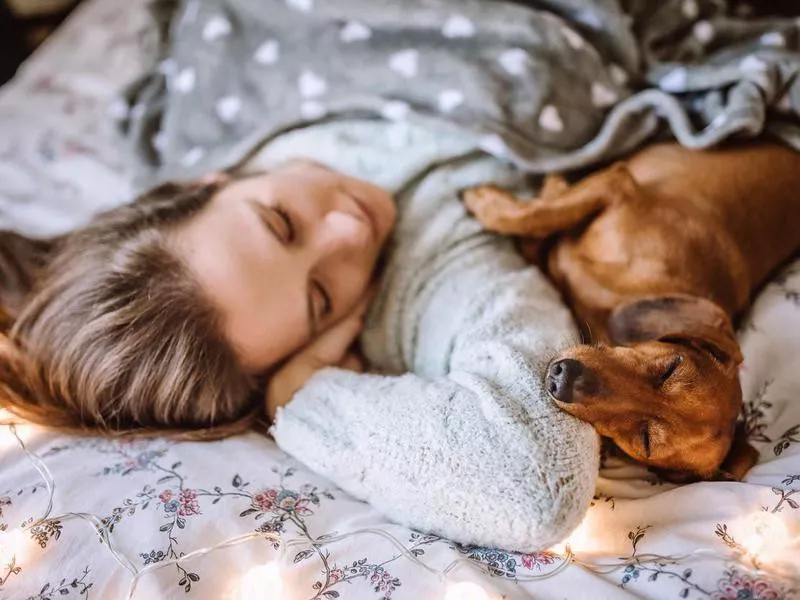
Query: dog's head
669, 395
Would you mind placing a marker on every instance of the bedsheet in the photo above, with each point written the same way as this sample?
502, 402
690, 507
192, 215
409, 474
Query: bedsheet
119, 508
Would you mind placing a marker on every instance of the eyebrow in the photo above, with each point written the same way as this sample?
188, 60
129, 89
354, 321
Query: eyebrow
258, 210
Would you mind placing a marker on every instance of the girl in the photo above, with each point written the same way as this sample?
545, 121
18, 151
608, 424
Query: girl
164, 315
171, 315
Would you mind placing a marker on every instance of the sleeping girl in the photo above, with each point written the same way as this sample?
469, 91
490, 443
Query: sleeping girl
204, 306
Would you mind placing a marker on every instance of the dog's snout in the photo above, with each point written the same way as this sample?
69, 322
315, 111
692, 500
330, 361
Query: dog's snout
567, 375
561, 378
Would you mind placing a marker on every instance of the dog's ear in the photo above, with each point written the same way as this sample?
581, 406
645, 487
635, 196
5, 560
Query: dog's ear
740, 459
678, 317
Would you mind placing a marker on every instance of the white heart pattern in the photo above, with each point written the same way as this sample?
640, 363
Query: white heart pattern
312, 110
193, 156
674, 81
719, 120
449, 100
494, 145
550, 119
267, 53
355, 31
404, 62
395, 110
215, 28
573, 38
752, 63
703, 31
311, 85
602, 95
514, 61
184, 81
690, 9
458, 26
159, 141
773, 38
167, 67
118, 110
618, 75
301, 5
228, 108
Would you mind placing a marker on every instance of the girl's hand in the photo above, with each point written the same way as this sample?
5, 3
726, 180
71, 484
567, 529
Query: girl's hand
331, 349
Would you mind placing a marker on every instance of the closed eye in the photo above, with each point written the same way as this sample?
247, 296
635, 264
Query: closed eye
669, 371
645, 432
277, 220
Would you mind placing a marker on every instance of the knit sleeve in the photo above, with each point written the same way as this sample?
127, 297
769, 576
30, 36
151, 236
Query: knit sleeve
462, 441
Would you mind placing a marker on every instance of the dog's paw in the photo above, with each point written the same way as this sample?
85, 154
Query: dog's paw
488, 204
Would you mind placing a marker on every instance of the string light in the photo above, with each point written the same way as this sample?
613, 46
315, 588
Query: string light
263, 581
764, 535
13, 546
762, 531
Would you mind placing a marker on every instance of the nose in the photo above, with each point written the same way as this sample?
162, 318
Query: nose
342, 231
567, 375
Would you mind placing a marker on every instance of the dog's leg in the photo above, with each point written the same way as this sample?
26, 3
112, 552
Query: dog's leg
553, 187
498, 211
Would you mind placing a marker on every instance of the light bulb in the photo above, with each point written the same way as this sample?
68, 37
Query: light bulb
260, 582
12, 546
466, 590
581, 540
764, 533
560, 548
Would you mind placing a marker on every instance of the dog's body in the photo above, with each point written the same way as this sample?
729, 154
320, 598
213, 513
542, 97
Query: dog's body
659, 255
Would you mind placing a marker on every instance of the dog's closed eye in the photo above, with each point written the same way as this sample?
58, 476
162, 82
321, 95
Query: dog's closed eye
645, 432
669, 371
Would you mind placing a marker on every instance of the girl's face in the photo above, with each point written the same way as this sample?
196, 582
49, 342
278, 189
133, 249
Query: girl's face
285, 255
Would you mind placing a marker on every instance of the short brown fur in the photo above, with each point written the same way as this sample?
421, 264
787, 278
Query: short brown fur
658, 255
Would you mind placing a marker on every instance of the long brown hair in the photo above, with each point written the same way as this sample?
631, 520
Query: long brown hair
117, 337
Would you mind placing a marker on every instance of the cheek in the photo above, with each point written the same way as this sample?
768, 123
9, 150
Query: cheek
351, 283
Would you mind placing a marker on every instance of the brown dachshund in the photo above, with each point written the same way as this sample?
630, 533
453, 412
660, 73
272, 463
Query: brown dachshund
658, 255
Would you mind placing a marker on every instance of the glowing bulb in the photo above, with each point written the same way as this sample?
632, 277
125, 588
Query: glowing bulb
764, 531
12, 546
262, 582
561, 548
466, 590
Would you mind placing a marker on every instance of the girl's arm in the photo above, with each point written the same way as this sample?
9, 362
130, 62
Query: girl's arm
476, 452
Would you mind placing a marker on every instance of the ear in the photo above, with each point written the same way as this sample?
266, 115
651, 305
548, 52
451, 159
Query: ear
680, 317
740, 459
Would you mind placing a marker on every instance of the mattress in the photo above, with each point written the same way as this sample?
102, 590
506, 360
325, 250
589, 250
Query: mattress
97, 518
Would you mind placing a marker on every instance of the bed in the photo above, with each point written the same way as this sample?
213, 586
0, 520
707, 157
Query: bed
97, 518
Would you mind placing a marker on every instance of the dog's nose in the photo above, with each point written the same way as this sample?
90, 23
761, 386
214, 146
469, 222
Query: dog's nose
562, 377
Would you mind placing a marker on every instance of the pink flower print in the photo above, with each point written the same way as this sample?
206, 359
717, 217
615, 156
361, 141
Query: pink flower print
292, 502
736, 585
171, 504
264, 500
188, 503
537, 559
336, 575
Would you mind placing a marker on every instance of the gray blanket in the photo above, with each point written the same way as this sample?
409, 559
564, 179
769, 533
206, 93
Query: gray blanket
549, 84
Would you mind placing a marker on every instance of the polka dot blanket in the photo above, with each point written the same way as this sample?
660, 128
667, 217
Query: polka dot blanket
555, 89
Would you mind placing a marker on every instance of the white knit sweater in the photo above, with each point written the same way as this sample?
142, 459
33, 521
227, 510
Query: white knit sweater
455, 435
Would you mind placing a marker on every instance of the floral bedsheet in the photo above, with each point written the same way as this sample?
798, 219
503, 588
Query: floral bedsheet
122, 508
